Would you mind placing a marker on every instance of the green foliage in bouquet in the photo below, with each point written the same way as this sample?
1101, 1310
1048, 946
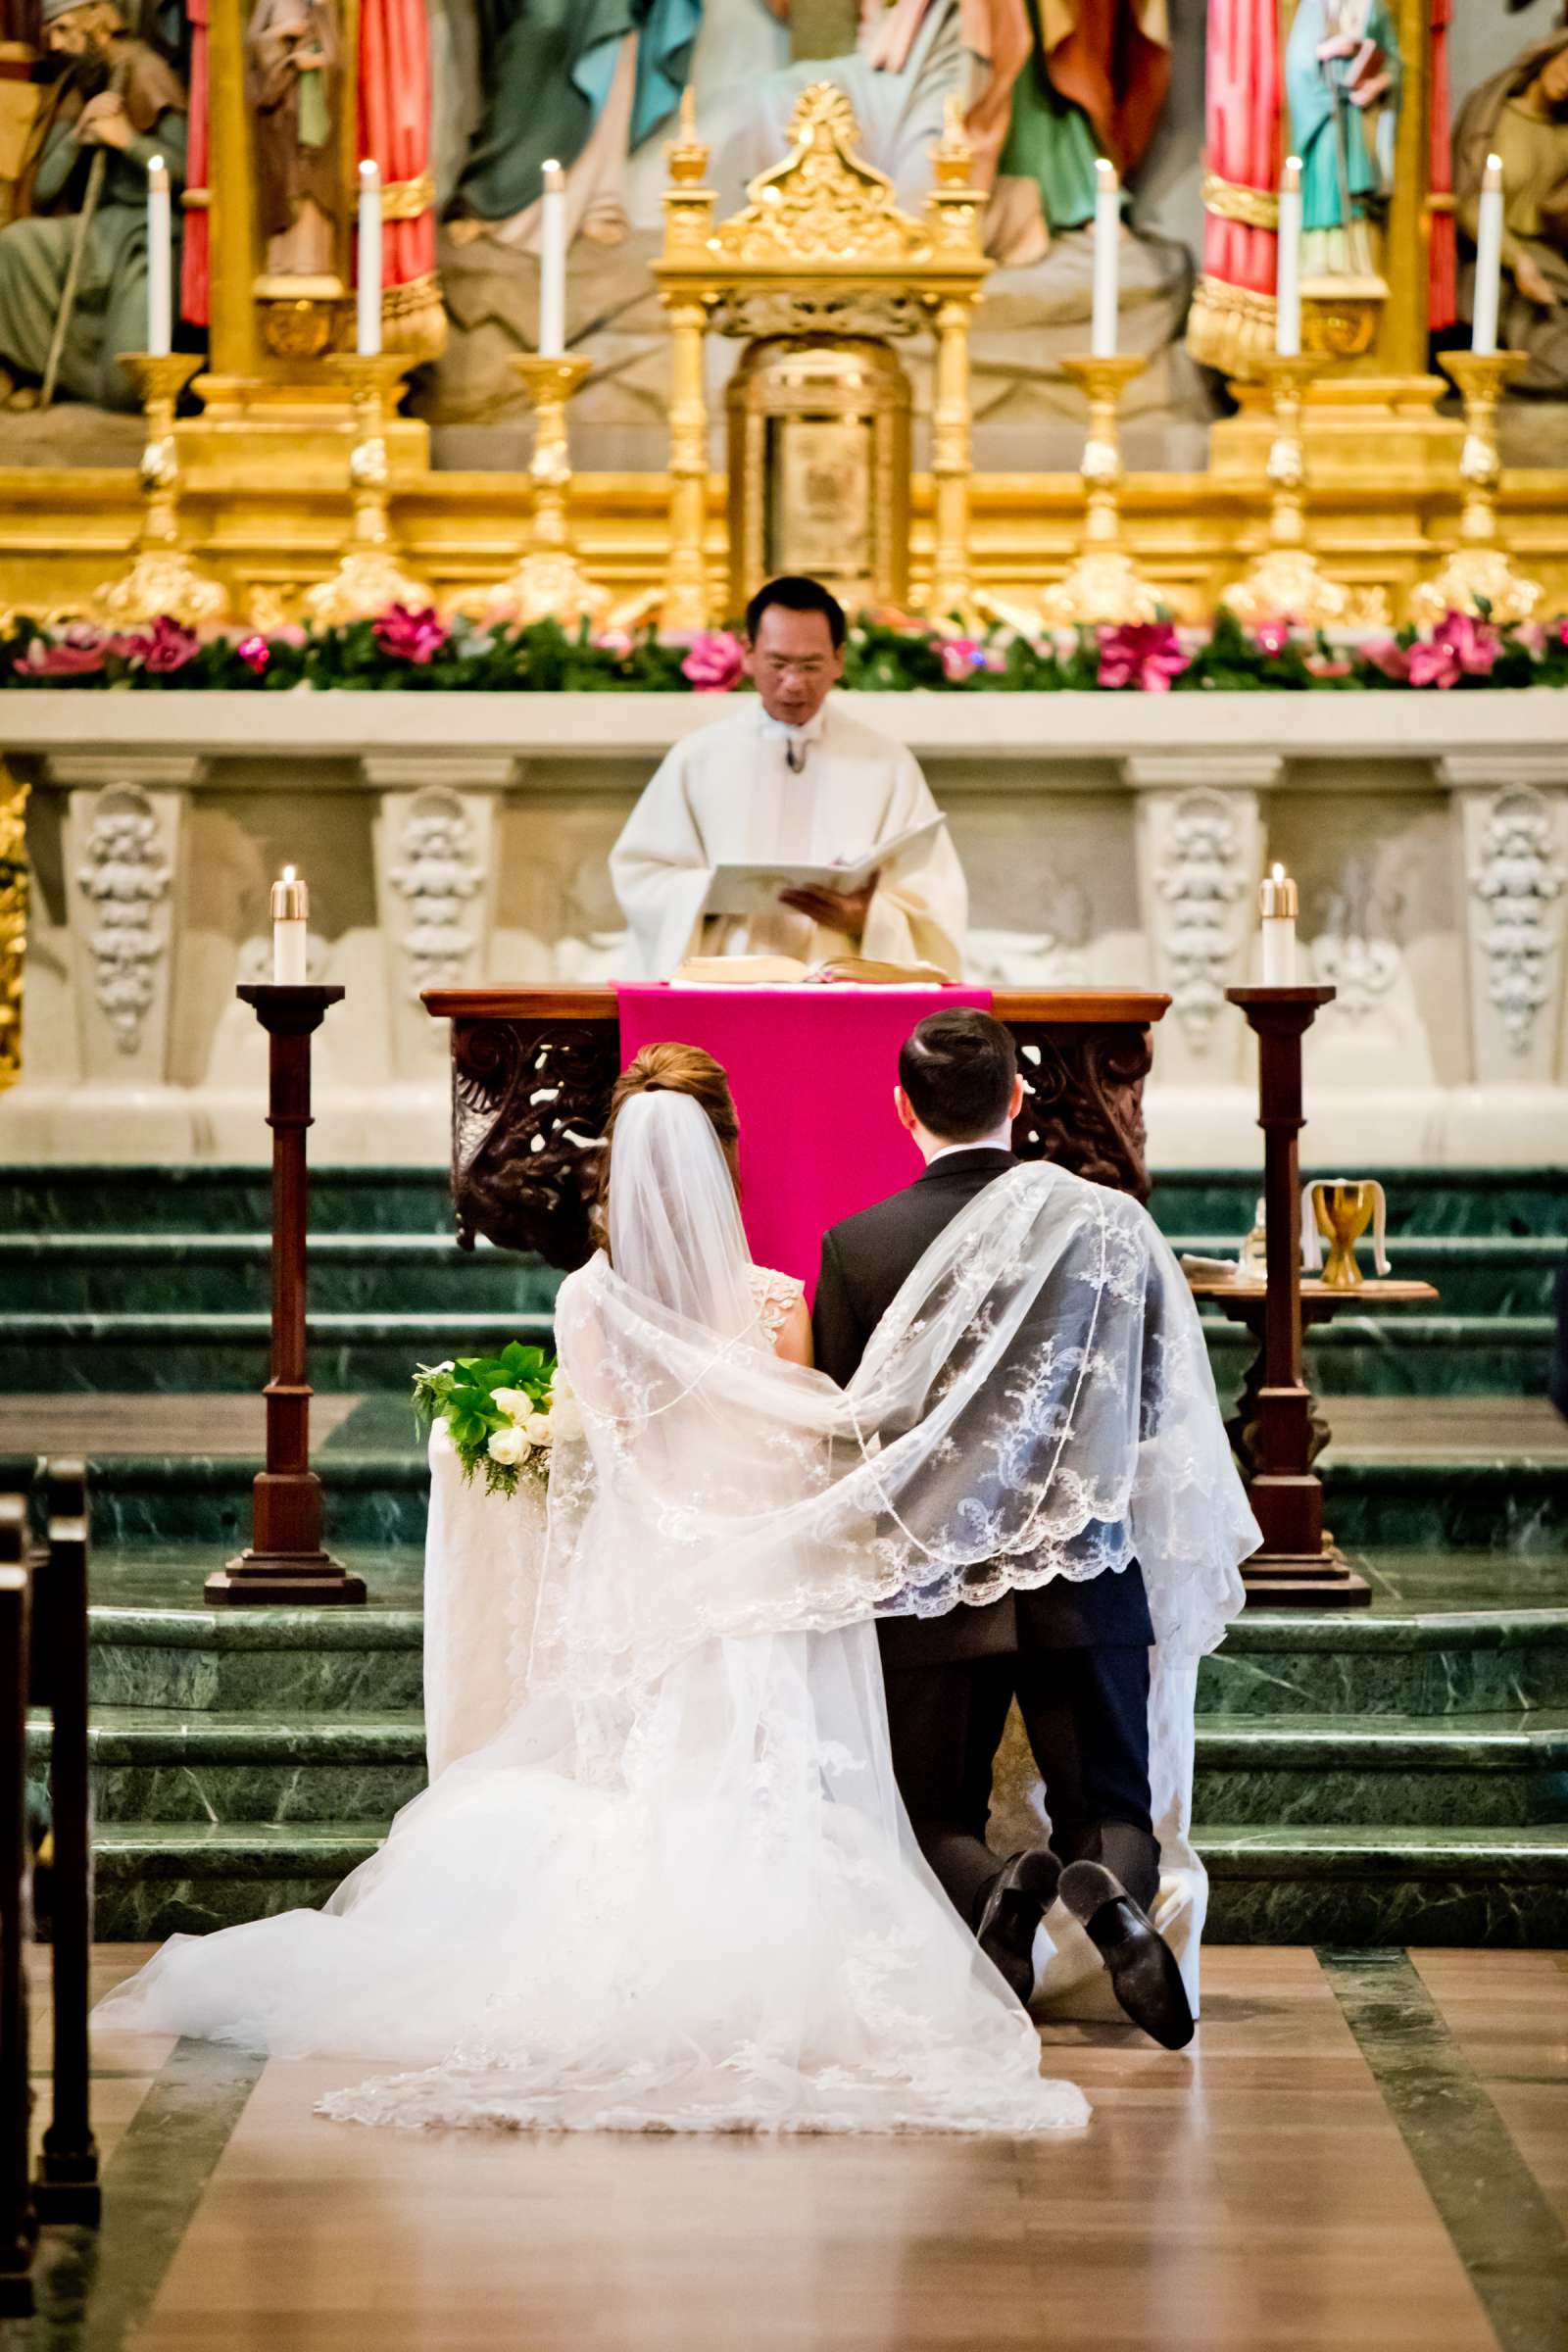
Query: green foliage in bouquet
496, 1412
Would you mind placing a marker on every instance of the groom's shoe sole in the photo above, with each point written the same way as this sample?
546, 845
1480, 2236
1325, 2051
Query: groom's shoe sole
1141, 1965
1016, 1901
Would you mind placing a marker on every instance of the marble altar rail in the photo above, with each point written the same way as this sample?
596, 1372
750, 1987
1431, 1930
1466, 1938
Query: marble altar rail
1109, 840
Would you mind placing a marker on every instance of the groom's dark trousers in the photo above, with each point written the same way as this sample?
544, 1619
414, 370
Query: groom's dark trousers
1074, 1656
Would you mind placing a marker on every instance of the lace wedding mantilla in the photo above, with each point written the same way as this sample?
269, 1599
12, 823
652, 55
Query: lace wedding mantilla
679, 1891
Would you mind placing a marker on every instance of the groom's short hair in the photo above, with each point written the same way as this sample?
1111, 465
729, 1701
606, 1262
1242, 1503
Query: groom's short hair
957, 1070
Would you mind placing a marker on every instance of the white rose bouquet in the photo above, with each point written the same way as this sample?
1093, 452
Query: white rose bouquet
498, 1413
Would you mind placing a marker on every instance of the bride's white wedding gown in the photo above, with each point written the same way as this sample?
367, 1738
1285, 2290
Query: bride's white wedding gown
679, 1891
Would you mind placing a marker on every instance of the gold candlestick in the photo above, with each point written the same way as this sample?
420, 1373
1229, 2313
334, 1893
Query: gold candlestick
549, 583
163, 579
1286, 581
1103, 584
369, 578
1479, 570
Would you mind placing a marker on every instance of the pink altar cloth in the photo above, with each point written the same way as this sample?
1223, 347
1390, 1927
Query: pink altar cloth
812, 1072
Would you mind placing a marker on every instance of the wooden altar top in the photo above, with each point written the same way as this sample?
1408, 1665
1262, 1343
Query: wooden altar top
567, 1001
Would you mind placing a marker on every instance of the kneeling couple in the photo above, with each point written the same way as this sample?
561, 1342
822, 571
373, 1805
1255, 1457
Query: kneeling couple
681, 1889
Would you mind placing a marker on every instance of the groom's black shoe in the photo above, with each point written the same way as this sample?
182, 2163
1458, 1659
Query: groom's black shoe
1015, 1903
1141, 1965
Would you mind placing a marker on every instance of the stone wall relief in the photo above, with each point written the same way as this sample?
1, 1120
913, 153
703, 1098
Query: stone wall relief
1200, 857
435, 859
1517, 874
122, 865
1374, 1033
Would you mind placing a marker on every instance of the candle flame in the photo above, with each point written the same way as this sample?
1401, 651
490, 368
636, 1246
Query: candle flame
554, 176
370, 172
1105, 173
1494, 174
157, 170
1290, 176
1276, 871
289, 875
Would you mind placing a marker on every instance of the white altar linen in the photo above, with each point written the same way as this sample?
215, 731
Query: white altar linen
727, 796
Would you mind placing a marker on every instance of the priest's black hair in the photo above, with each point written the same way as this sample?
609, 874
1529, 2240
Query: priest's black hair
798, 594
957, 1070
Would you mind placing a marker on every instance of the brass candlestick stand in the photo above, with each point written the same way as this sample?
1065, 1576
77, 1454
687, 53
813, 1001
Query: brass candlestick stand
1286, 581
369, 577
1103, 583
1479, 572
550, 584
163, 580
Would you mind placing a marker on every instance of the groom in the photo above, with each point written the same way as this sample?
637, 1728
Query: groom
1074, 1655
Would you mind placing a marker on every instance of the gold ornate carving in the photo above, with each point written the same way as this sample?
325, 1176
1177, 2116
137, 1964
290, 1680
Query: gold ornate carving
1230, 327
821, 228
406, 199
1231, 200
297, 326
1480, 572
12, 921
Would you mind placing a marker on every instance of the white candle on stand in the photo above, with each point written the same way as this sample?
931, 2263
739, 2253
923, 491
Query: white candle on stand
160, 261
291, 908
1288, 272
367, 341
1107, 260
1488, 261
553, 264
1278, 902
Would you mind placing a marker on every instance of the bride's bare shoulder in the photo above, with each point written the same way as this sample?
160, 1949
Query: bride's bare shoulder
783, 1312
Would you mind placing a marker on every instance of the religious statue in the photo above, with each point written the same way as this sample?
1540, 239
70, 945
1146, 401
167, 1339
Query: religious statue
1341, 91
1522, 116
74, 269
293, 81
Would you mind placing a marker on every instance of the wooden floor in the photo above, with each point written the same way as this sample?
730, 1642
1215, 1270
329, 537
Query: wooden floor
1362, 2151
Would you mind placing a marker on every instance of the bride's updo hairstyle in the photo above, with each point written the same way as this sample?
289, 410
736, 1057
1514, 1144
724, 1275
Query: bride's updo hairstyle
671, 1070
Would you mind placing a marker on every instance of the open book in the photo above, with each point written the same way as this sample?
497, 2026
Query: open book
754, 887
787, 971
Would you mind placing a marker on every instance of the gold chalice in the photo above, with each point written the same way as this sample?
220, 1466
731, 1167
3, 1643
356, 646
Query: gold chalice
1342, 1211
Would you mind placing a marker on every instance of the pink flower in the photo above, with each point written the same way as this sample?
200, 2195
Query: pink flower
408, 636
1390, 658
1271, 637
254, 653
1531, 635
163, 648
81, 649
715, 661
960, 655
1144, 654
616, 643
1322, 668
1459, 647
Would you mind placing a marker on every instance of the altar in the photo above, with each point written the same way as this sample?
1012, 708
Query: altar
532, 1070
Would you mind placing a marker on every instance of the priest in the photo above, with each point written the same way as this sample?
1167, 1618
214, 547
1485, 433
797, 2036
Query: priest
791, 779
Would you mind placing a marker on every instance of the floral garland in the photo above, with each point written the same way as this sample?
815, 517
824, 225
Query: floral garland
887, 653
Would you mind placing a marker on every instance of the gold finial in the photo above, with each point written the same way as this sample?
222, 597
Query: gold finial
953, 154
686, 155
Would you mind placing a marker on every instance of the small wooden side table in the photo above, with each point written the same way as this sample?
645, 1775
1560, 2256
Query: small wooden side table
1296, 1581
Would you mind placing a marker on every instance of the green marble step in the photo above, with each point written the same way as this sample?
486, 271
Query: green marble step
137, 1274
161, 1765
228, 1199
1391, 1885
197, 1273
374, 1498
165, 1353
1269, 1884
157, 1765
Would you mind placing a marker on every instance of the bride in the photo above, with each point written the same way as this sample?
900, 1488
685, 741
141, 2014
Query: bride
678, 1889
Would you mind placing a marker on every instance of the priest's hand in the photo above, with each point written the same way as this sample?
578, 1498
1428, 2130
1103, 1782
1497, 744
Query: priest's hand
835, 910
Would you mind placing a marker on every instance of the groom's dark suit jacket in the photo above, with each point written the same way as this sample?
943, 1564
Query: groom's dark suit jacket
865, 1262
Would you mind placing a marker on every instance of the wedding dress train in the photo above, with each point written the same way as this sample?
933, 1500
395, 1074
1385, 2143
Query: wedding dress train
678, 1891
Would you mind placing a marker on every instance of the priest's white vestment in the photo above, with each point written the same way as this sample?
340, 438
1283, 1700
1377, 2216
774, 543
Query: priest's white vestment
729, 794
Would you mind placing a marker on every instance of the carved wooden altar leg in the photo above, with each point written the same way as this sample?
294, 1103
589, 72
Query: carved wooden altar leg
1084, 1100
686, 569
950, 462
529, 1104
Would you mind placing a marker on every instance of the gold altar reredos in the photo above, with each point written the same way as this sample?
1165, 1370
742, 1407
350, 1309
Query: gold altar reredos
264, 476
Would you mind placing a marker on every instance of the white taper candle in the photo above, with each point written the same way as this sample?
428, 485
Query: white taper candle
553, 264
1107, 260
368, 339
1278, 902
160, 261
1288, 272
290, 909
1488, 260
